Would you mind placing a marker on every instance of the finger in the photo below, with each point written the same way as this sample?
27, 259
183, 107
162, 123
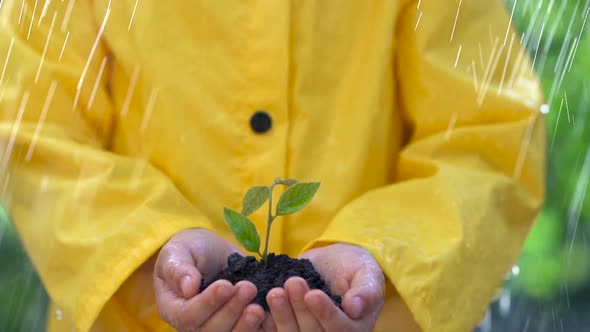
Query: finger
167, 300
330, 317
209, 251
176, 267
296, 289
269, 325
227, 316
192, 313
366, 293
251, 319
281, 310
203, 306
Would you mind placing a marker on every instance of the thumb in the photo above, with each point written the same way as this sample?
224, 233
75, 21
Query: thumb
366, 292
176, 268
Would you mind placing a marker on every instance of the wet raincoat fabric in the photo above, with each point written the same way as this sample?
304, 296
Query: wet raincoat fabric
125, 122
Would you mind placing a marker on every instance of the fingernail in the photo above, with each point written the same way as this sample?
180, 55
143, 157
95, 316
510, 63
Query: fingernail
253, 319
224, 292
278, 300
314, 301
356, 307
243, 294
300, 287
185, 286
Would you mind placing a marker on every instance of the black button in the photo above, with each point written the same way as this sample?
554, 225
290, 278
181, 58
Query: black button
260, 122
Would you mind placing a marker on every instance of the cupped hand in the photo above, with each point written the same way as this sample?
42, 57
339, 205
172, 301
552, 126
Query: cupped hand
182, 263
350, 271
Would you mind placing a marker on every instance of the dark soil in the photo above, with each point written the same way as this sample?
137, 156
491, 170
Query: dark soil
279, 269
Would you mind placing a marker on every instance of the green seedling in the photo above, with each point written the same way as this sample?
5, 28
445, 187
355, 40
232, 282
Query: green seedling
294, 198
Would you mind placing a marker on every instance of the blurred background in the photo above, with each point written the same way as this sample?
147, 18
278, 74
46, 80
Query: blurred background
549, 287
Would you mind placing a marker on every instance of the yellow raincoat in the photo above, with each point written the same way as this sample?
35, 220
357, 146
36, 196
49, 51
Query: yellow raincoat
125, 122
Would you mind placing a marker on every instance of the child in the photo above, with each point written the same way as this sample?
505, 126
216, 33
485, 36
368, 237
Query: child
127, 126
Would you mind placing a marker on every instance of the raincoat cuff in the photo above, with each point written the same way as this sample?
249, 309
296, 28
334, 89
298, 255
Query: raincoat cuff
141, 249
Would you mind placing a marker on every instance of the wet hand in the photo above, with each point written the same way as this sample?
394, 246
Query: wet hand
348, 270
182, 263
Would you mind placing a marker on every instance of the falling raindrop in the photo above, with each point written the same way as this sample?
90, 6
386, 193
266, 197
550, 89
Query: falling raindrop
91, 56
97, 82
504, 304
15, 128
451, 126
44, 11
32, 20
68, 14
567, 108
58, 314
527, 324
474, 72
581, 30
61, 54
6, 61
458, 55
418, 21
556, 125
132, 15
481, 60
20, 16
456, 19
509, 25
147, 115
130, 90
501, 83
538, 45
486, 324
41, 121
45, 48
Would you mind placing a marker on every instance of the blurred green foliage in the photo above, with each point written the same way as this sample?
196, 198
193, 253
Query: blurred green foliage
556, 255
23, 299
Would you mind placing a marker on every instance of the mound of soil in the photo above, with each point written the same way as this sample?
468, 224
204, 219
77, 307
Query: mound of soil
274, 274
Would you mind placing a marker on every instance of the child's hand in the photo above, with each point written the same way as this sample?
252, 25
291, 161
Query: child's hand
349, 270
181, 265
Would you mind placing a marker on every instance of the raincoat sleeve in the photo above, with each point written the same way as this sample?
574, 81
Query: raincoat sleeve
470, 180
88, 218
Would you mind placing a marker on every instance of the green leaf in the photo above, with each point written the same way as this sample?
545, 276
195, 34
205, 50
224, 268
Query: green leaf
296, 197
289, 182
254, 198
243, 229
